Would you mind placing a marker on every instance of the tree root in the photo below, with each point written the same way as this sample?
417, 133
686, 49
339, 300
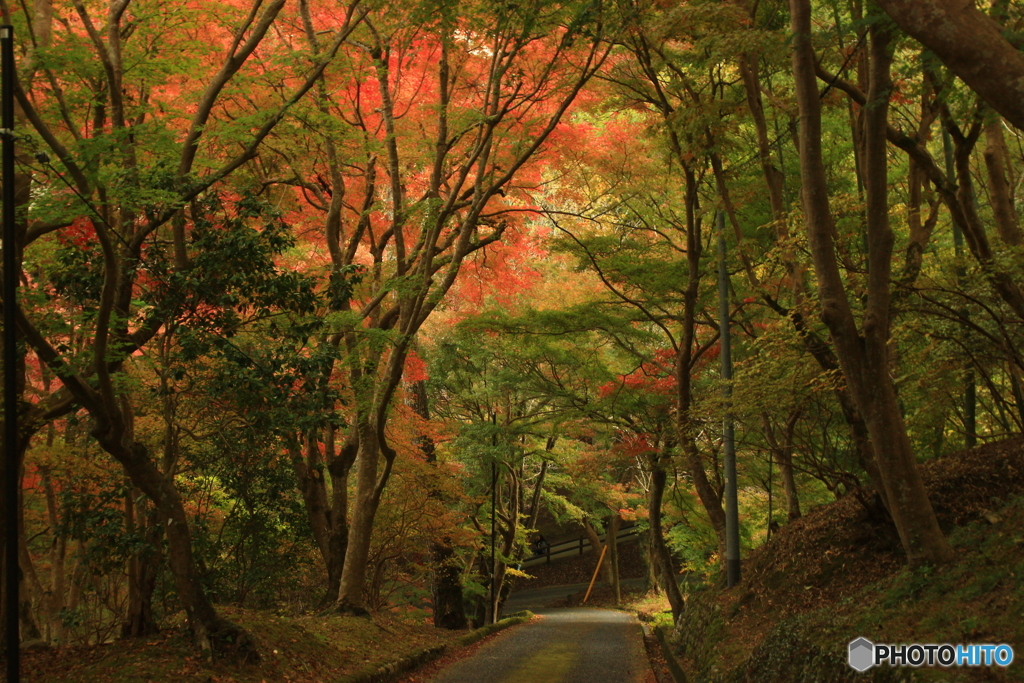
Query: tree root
346, 609
228, 641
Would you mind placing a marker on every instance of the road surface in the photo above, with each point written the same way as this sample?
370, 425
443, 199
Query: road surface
574, 645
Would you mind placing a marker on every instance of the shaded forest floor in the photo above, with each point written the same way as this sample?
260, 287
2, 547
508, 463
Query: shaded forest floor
837, 574
295, 650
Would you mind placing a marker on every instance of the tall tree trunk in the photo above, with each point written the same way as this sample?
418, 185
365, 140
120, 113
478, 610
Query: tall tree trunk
863, 356
817, 347
30, 582
339, 464
58, 555
327, 511
665, 570
357, 553
370, 482
143, 570
710, 498
971, 44
143, 565
997, 163
446, 581
213, 633
508, 516
684, 423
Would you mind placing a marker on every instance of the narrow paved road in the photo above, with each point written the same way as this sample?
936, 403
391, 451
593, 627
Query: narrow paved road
576, 645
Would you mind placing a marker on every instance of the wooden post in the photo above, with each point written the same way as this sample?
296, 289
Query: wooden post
594, 577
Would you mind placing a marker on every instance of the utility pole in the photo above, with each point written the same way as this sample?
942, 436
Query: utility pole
732, 513
10, 358
494, 566
494, 499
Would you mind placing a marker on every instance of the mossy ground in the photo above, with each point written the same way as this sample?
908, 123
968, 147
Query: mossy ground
294, 650
836, 575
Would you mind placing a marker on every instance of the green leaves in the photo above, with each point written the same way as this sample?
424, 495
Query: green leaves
232, 275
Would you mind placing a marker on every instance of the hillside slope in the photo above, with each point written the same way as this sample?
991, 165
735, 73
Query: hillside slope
837, 574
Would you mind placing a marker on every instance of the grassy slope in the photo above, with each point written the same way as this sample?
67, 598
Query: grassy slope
835, 575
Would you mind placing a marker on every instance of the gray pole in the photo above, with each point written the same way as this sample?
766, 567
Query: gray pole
494, 567
10, 357
732, 513
494, 498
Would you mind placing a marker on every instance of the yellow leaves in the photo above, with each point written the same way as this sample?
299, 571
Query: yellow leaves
512, 571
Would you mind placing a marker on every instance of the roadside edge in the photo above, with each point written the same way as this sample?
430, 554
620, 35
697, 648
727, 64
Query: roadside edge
392, 670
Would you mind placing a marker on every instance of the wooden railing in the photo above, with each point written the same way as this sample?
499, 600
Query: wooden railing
576, 546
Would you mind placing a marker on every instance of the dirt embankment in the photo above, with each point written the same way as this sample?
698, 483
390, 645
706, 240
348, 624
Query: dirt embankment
839, 573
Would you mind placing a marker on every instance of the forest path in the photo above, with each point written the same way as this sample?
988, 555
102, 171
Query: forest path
574, 645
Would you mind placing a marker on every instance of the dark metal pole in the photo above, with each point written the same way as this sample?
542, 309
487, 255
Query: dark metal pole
732, 514
10, 356
494, 567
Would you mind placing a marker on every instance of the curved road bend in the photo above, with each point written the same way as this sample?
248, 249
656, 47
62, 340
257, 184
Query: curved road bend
576, 645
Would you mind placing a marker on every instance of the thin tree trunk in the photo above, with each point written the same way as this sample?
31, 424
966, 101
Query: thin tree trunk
508, 515
784, 459
58, 555
143, 569
709, 497
596, 545
339, 464
538, 488
997, 163
612, 542
782, 453
748, 66
30, 582
665, 570
213, 633
446, 584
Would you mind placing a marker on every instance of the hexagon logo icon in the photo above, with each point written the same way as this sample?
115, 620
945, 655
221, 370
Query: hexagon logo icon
862, 654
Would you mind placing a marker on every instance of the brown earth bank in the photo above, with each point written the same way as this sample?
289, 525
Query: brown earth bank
838, 574
309, 649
